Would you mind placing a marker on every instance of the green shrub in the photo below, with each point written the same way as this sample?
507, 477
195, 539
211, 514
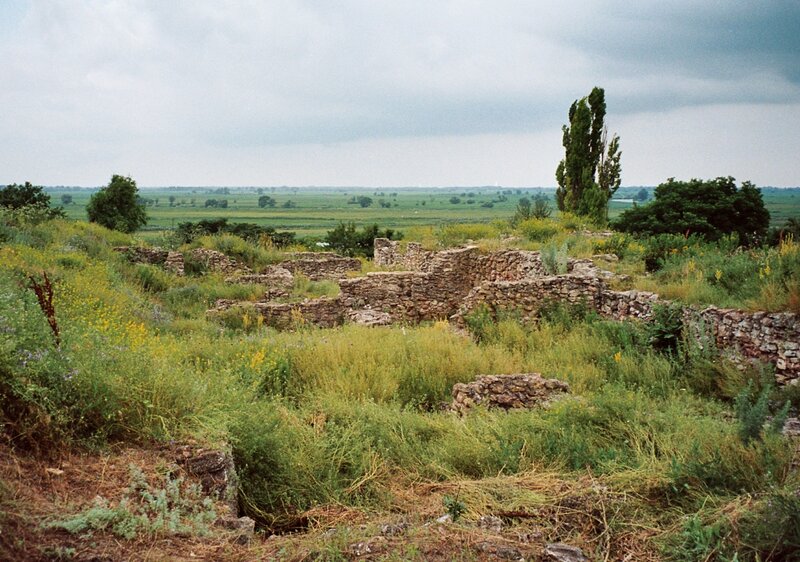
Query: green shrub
710, 209
479, 321
554, 260
538, 230
658, 248
752, 411
455, 234
455, 507
618, 244
348, 241
666, 327
151, 278
176, 508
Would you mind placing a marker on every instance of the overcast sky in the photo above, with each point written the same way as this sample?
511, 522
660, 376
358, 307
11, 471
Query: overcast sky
388, 93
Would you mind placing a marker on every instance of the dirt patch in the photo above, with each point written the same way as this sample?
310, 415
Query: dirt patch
34, 492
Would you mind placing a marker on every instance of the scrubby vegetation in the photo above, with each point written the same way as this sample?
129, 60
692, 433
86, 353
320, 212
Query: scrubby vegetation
661, 453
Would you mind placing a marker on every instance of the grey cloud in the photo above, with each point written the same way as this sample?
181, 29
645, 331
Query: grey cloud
108, 77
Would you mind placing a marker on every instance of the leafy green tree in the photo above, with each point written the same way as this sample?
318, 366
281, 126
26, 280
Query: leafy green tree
708, 208
541, 207
66, 199
27, 195
538, 209
590, 172
643, 195
522, 211
117, 206
17, 196
266, 201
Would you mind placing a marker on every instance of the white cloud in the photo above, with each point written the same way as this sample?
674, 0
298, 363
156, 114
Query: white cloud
97, 87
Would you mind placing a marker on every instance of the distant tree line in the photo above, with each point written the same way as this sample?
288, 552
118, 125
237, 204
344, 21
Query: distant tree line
188, 231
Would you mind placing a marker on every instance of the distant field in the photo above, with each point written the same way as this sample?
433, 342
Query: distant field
317, 210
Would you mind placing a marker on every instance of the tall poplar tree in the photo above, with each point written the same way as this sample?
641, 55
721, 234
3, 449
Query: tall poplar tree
590, 172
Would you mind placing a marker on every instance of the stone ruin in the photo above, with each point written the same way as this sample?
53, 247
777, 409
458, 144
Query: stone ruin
279, 278
426, 285
451, 284
218, 262
321, 265
525, 390
169, 260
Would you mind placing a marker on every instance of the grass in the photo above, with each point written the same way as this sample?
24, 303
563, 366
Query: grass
647, 448
320, 209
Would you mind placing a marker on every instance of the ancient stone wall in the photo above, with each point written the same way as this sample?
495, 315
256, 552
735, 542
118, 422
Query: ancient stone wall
321, 265
218, 262
387, 254
769, 337
452, 283
413, 296
524, 390
169, 260
527, 296
325, 312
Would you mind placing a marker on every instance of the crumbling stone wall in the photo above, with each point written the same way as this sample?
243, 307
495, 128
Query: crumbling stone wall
452, 283
169, 260
218, 262
321, 265
769, 337
413, 296
387, 254
279, 281
524, 390
527, 296
325, 312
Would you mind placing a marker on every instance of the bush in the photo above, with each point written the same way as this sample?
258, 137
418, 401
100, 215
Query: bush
176, 508
253, 233
711, 209
555, 260
118, 206
346, 240
666, 327
618, 244
538, 230
450, 235
659, 248
752, 411
151, 278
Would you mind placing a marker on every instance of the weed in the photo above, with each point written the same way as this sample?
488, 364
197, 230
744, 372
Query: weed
554, 260
538, 229
752, 411
455, 507
174, 509
666, 327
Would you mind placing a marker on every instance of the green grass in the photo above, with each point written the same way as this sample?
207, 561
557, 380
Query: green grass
320, 209
352, 416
